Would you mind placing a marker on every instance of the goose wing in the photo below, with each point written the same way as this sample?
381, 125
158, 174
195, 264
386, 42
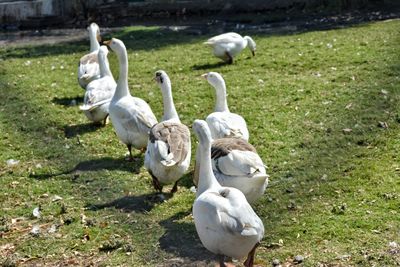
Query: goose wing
172, 142
135, 115
226, 124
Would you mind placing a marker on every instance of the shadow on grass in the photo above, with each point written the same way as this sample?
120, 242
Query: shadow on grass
68, 101
181, 232
75, 130
106, 163
209, 66
142, 204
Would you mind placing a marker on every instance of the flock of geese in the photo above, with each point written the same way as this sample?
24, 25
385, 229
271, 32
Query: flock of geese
229, 174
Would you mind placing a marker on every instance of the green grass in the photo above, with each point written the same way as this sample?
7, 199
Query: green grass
333, 195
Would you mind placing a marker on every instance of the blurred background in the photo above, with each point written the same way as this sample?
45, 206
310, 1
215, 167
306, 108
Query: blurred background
34, 14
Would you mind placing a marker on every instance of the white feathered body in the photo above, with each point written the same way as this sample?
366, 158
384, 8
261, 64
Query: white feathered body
132, 119
227, 124
243, 170
226, 225
97, 98
88, 69
156, 158
231, 43
160, 158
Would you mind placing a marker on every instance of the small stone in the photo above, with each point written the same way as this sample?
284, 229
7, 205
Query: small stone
73, 102
35, 230
193, 189
12, 162
383, 124
347, 130
276, 262
56, 198
52, 229
36, 212
298, 259
393, 244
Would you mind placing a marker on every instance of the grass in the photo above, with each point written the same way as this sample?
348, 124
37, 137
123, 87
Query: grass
333, 195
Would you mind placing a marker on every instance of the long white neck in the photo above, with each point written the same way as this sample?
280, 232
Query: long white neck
104, 66
94, 44
221, 103
122, 84
207, 179
245, 41
168, 102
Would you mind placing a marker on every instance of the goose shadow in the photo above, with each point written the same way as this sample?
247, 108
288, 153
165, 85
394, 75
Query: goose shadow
106, 163
75, 130
209, 66
68, 101
140, 204
181, 239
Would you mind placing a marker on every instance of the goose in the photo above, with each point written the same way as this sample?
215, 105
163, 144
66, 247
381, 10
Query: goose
99, 92
224, 220
226, 46
235, 163
168, 152
88, 67
131, 117
222, 122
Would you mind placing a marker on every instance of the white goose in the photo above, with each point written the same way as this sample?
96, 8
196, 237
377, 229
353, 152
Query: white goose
88, 67
99, 92
224, 220
235, 163
223, 123
226, 46
131, 117
168, 150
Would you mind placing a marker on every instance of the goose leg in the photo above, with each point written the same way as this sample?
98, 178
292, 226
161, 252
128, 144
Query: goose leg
230, 58
221, 261
175, 188
130, 152
156, 184
105, 121
250, 258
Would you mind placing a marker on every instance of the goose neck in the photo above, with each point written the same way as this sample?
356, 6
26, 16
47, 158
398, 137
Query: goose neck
104, 66
94, 44
122, 84
168, 102
221, 103
207, 179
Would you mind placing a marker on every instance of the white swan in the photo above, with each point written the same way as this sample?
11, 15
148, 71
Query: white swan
223, 123
168, 150
235, 163
88, 67
224, 220
99, 92
132, 117
226, 46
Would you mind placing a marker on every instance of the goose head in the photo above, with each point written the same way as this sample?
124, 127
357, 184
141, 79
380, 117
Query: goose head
161, 78
116, 45
215, 79
93, 27
251, 44
202, 131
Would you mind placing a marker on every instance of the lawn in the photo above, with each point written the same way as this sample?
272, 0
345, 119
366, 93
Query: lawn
322, 109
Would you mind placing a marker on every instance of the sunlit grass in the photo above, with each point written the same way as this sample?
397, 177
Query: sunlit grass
317, 105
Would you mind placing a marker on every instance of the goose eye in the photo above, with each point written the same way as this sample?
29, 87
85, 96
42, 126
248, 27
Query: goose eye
224, 193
